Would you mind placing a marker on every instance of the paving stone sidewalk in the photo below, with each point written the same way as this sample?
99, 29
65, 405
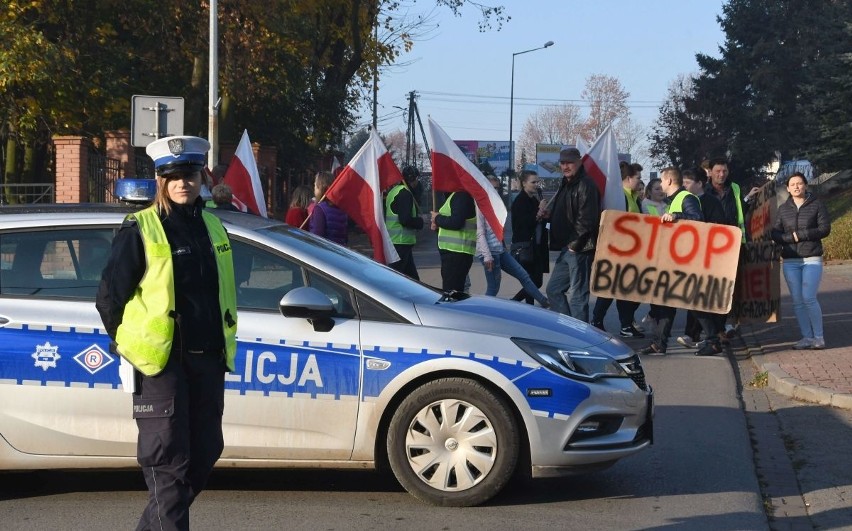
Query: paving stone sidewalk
819, 376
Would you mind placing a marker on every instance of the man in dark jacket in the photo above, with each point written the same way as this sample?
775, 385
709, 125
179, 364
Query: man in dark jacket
402, 219
456, 226
711, 324
574, 218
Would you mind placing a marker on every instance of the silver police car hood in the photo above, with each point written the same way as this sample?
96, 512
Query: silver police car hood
491, 315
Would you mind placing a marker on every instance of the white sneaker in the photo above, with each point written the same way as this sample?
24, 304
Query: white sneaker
685, 341
818, 343
806, 343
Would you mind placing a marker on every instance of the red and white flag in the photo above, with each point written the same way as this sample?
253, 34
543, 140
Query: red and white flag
243, 178
336, 167
358, 192
601, 164
452, 171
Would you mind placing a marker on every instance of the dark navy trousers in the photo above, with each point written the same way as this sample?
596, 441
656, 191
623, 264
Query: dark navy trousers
179, 416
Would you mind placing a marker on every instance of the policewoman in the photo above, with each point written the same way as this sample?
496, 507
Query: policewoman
167, 299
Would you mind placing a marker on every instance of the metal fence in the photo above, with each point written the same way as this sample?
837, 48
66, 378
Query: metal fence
103, 172
17, 194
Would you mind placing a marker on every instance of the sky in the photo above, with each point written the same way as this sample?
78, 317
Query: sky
464, 77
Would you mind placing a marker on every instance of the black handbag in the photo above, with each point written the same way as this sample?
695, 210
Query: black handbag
522, 252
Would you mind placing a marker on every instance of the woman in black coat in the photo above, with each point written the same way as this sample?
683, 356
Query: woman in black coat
528, 229
801, 224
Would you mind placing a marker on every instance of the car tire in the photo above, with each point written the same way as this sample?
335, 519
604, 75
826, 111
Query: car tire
452, 442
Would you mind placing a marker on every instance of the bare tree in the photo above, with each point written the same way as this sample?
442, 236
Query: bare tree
554, 124
607, 100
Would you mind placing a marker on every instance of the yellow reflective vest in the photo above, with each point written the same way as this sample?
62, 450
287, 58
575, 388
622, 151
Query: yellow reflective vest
458, 241
399, 235
145, 335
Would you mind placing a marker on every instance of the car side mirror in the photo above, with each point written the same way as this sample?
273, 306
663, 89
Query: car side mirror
311, 304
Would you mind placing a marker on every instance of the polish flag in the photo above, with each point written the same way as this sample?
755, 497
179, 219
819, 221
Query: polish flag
358, 192
336, 167
601, 164
243, 178
452, 171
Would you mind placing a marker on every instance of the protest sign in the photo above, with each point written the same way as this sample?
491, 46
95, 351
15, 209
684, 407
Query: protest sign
758, 292
686, 264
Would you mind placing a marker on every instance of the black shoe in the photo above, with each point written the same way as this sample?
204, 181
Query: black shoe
630, 331
653, 350
709, 349
599, 325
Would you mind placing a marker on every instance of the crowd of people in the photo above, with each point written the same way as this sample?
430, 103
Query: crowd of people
568, 225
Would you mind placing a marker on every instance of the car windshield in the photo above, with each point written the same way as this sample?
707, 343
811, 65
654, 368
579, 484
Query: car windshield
358, 266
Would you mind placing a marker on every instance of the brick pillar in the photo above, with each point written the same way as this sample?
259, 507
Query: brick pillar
118, 147
72, 161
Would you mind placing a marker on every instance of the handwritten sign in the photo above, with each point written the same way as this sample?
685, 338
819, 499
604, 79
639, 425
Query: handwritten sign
758, 292
686, 264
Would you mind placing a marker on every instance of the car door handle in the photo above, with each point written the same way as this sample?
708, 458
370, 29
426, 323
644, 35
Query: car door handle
3, 321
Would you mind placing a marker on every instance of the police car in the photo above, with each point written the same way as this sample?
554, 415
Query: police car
341, 363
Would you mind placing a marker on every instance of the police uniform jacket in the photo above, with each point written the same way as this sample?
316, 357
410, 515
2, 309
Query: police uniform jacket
195, 279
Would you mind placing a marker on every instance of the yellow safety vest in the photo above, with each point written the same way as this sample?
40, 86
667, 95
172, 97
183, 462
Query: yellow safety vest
398, 234
145, 335
738, 200
632, 204
676, 205
459, 241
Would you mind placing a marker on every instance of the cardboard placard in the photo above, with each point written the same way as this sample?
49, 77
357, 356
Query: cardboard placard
686, 264
758, 293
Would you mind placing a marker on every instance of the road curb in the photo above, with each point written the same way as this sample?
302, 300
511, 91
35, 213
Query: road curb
784, 384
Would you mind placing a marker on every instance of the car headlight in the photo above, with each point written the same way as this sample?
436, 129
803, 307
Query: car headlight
572, 362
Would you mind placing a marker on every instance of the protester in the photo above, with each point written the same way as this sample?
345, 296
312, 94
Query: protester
529, 229
574, 219
456, 226
223, 197
680, 204
402, 220
696, 322
297, 213
626, 309
326, 219
492, 253
654, 201
173, 316
735, 206
801, 224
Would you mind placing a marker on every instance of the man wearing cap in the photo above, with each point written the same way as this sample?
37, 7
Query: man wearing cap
575, 214
168, 301
402, 220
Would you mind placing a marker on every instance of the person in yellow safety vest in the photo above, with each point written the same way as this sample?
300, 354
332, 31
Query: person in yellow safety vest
654, 203
167, 299
681, 205
456, 226
626, 309
735, 206
402, 220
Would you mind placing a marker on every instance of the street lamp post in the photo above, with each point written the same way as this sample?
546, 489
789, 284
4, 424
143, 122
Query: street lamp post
512, 102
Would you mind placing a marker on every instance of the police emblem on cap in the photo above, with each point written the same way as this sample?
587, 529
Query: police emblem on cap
176, 146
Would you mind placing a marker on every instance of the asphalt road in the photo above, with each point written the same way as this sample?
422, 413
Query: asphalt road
698, 475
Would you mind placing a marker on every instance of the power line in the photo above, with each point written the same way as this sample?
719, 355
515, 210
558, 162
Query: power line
639, 103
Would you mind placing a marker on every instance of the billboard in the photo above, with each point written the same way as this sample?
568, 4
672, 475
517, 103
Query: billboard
494, 152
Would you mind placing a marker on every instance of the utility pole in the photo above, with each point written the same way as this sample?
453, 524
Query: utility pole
376, 80
411, 133
213, 89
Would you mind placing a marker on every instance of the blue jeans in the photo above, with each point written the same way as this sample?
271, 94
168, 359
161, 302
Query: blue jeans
803, 277
571, 273
505, 262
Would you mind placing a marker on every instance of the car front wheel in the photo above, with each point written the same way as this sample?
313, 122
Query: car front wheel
452, 442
